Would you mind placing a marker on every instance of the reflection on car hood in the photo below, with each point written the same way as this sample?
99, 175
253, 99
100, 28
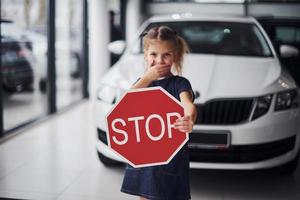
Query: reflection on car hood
230, 76
213, 76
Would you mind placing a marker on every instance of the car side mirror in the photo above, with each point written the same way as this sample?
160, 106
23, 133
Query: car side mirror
287, 51
117, 47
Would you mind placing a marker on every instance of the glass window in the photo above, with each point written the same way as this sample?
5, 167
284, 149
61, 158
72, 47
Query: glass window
222, 38
288, 34
68, 46
23, 60
262, 41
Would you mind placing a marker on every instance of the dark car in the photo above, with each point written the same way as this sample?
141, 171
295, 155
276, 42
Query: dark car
284, 31
16, 63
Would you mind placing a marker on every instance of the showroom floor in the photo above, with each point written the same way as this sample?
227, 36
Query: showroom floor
56, 159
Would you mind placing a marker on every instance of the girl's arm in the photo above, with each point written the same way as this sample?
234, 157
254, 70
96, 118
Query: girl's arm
143, 82
186, 123
152, 73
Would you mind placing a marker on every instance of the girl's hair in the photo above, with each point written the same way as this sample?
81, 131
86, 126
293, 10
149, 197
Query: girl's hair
164, 33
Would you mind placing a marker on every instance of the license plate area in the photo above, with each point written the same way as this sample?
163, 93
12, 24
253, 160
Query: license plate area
210, 140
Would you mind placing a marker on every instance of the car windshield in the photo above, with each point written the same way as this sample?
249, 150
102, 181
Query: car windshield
222, 38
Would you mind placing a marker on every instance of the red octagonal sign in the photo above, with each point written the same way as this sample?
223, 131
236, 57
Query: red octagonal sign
140, 127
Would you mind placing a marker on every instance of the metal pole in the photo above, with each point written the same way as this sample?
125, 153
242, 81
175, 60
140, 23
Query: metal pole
51, 86
123, 18
85, 51
1, 99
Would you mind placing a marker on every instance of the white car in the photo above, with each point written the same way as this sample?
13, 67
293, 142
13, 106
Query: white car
248, 105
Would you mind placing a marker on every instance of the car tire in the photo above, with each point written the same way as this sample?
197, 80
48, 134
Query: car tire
107, 161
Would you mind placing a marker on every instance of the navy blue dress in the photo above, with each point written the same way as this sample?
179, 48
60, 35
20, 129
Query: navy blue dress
163, 182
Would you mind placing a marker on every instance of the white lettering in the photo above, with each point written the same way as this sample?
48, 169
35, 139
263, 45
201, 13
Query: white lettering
136, 120
136, 124
169, 125
124, 133
155, 138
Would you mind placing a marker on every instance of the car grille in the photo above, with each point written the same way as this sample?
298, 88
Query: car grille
243, 153
224, 112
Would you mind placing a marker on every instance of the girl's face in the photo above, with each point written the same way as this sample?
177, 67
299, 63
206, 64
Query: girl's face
160, 52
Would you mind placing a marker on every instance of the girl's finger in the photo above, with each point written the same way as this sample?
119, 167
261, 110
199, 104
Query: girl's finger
186, 122
183, 121
183, 129
177, 123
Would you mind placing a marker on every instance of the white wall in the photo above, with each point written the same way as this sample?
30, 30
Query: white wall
134, 18
98, 41
99, 37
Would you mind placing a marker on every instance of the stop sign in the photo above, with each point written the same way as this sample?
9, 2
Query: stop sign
140, 127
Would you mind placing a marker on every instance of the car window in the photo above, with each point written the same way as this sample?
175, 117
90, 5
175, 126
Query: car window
288, 34
222, 38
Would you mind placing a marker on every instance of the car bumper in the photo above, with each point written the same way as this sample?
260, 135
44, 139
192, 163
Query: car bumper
257, 156
270, 163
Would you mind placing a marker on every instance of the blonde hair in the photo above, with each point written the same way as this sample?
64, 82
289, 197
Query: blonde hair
164, 33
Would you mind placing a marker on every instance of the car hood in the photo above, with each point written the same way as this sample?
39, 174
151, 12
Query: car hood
215, 76
231, 76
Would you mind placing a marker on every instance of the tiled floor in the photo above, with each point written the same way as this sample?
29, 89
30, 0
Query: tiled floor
57, 160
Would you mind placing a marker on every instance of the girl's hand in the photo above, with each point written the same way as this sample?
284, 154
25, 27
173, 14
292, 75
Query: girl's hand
152, 73
157, 71
184, 124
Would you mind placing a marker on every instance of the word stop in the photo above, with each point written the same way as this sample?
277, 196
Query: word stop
136, 121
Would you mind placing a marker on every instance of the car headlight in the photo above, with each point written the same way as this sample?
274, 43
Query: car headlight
286, 100
262, 106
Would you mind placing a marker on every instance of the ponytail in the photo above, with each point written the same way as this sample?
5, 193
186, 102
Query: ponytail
182, 48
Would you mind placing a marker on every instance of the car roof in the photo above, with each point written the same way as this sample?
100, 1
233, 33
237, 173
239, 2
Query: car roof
197, 17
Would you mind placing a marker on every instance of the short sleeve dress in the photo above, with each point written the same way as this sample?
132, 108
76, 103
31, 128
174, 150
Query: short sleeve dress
163, 182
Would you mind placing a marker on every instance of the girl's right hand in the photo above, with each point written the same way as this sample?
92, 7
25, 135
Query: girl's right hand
184, 124
157, 71
152, 73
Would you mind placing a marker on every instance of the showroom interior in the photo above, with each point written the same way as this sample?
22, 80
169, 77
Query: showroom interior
65, 64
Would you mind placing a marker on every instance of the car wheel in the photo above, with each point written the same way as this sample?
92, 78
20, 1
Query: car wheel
107, 161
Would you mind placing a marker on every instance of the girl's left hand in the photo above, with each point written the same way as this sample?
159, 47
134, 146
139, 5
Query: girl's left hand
184, 124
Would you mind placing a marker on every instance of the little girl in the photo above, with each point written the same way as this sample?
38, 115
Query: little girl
163, 51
